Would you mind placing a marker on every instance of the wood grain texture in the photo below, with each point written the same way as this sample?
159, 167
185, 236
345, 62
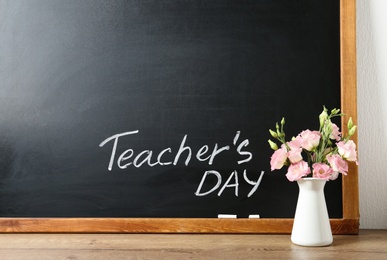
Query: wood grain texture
349, 101
162, 225
349, 224
369, 244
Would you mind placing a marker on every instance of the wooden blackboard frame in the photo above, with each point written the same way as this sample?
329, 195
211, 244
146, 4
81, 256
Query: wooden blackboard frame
349, 224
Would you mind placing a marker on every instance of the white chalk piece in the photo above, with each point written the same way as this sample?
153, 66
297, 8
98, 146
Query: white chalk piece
227, 216
254, 216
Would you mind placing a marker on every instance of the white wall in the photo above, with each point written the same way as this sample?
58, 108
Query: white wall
372, 111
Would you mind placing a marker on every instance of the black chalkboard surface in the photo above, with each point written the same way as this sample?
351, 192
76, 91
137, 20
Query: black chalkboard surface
159, 109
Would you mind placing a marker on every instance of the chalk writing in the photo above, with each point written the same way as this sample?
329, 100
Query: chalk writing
234, 175
184, 153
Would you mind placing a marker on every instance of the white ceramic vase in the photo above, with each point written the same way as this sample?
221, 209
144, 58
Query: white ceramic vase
311, 225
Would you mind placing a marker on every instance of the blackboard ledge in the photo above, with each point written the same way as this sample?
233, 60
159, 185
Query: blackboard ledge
163, 225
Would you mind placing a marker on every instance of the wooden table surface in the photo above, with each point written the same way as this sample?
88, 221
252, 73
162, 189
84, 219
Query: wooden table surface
369, 244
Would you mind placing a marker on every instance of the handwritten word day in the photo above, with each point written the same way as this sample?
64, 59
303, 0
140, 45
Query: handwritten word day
204, 154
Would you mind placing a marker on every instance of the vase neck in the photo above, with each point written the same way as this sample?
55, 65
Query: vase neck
311, 184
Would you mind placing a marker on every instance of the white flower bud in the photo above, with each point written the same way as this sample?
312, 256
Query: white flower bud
352, 130
273, 145
273, 134
323, 116
350, 123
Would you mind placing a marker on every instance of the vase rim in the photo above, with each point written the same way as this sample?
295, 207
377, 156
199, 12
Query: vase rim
312, 178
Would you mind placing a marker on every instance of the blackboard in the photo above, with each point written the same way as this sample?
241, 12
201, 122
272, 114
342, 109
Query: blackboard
135, 111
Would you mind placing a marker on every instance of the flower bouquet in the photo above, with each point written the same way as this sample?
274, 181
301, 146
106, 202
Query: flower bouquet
319, 154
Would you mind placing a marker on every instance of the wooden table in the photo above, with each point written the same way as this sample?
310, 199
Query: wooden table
369, 244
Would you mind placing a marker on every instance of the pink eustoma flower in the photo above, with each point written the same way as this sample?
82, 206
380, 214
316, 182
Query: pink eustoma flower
295, 143
335, 135
347, 150
294, 155
278, 158
338, 164
297, 171
310, 139
322, 171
